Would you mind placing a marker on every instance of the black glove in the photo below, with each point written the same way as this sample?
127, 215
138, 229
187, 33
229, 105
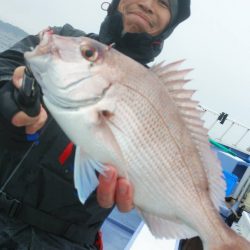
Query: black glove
27, 97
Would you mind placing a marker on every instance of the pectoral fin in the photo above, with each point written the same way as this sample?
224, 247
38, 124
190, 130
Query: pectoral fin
107, 127
85, 176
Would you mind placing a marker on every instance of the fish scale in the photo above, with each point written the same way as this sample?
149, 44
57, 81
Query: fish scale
143, 122
152, 154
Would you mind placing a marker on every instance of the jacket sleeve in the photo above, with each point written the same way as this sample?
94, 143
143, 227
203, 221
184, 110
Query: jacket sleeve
9, 61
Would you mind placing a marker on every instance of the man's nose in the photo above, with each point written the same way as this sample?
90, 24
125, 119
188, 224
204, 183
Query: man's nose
147, 5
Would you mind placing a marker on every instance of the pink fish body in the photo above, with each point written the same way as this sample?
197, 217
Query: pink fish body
144, 122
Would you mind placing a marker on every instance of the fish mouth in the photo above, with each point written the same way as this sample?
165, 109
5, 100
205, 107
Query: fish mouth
42, 49
69, 104
75, 83
45, 41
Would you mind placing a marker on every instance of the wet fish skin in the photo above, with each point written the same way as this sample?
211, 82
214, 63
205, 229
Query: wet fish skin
142, 121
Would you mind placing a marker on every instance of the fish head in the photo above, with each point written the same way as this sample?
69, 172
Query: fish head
78, 78
72, 71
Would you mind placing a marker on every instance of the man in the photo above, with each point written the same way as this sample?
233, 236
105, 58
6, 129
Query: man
39, 207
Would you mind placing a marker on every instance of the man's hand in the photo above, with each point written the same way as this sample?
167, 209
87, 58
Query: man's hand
113, 190
20, 119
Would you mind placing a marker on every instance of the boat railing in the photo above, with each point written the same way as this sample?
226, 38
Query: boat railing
226, 130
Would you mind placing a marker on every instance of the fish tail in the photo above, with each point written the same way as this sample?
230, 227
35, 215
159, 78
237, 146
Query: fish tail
233, 242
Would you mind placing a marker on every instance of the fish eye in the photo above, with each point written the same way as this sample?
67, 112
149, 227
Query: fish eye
89, 53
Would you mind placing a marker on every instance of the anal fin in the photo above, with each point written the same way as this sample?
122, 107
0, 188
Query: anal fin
168, 229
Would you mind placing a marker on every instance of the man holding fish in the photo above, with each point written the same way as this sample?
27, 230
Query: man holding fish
38, 198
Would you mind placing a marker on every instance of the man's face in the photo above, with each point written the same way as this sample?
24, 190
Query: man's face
150, 16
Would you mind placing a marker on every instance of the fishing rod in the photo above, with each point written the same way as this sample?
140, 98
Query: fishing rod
28, 100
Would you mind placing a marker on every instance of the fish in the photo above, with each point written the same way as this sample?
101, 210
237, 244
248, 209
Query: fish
145, 122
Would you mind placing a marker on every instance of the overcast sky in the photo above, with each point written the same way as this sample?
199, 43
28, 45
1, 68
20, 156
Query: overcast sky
215, 42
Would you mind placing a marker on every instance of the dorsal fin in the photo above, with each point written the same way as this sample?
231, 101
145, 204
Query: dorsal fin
160, 67
176, 84
174, 81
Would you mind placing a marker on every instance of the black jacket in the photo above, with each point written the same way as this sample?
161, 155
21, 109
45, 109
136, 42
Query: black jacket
43, 184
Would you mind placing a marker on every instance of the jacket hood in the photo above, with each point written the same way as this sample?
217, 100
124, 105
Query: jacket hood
142, 47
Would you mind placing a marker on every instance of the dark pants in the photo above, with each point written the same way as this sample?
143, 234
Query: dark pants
191, 244
15, 235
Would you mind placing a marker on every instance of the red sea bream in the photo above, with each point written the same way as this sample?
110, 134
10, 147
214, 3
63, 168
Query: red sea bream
143, 122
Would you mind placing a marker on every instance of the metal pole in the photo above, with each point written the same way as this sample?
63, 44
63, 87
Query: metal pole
233, 122
213, 124
226, 131
241, 137
243, 182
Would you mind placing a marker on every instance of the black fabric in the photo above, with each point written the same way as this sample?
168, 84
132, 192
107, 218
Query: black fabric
239, 170
7, 103
47, 186
141, 47
16, 235
28, 97
42, 185
191, 244
13, 208
180, 11
12, 138
9, 61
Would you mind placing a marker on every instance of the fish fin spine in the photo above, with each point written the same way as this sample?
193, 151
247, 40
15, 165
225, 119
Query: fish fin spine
174, 81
